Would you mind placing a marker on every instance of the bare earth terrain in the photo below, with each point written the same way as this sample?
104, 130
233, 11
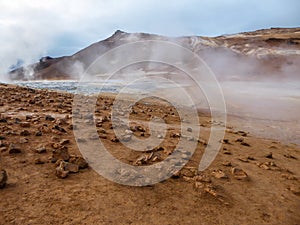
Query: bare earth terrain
252, 180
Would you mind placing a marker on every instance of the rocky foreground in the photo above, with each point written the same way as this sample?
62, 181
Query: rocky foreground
44, 178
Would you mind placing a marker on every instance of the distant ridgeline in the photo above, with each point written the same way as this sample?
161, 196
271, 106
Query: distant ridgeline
271, 52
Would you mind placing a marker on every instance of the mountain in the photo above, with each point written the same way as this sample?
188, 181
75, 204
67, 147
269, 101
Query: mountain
260, 54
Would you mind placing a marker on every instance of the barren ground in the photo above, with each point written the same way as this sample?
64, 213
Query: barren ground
252, 181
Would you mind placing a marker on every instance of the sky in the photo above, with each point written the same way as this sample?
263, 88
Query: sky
33, 28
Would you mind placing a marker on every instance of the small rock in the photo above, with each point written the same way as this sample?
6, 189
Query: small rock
38, 133
269, 155
24, 133
239, 140
28, 117
3, 178
225, 141
141, 160
38, 161
23, 140
227, 152
245, 144
211, 189
3, 149
239, 174
245, 160
175, 135
59, 128
64, 141
219, 174
176, 174
24, 124
202, 178
61, 153
289, 156
264, 166
128, 132
126, 137
60, 172
2, 143
114, 139
55, 145
295, 190
3, 120
94, 137
14, 149
103, 136
41, 149
81, 162
102, 131
140, 128
250, 158
81, 140
226, 163
189, 129
189, 171
242, 133
199, 185
71, 167
273, 146
288, 177
49, 118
